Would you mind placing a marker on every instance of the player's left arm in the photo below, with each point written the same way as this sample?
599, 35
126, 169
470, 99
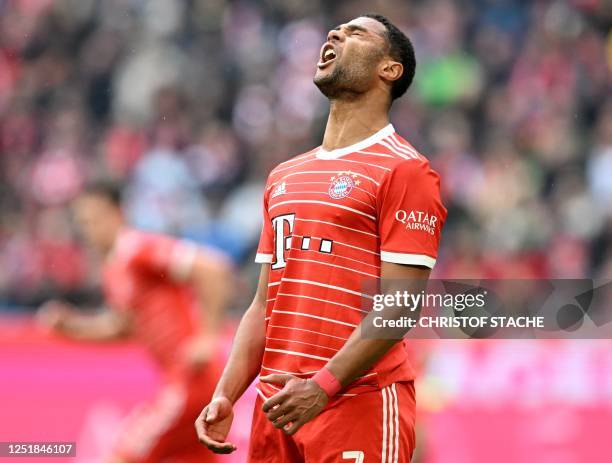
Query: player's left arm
211, 276
361, 352
301, 400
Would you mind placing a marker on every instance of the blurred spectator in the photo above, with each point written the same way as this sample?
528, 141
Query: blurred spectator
190, 104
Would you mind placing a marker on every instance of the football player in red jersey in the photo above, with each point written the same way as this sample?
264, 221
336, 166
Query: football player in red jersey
168, 294
363, 207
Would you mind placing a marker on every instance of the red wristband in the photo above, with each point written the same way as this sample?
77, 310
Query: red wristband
327, 381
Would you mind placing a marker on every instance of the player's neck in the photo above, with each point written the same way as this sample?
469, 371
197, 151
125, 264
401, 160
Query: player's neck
351, 121
108, 250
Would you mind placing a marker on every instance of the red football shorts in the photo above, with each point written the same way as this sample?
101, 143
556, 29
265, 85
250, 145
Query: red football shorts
162, 429
371, 427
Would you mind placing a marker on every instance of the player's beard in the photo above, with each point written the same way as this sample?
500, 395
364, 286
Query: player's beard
345, 82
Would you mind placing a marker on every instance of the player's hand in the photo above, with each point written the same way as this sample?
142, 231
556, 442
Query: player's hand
298, 402
214, 424
54, 314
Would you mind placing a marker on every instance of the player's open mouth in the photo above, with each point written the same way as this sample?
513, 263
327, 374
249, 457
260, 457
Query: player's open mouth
328, 54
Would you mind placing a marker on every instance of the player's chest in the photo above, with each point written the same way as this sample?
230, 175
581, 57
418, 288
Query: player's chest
326, 190
123, 286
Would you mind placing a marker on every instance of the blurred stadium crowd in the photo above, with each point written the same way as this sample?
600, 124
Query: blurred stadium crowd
190, 103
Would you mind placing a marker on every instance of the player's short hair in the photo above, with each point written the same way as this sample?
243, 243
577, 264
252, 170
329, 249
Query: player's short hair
400, 49
106, 189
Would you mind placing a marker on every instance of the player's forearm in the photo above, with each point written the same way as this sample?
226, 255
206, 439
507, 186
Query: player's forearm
357, 356
246, 355
361, 352
100, 326
212, 281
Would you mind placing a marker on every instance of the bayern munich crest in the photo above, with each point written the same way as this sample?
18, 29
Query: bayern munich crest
342, 184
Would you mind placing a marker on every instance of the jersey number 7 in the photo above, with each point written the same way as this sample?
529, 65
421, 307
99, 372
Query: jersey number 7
356, 455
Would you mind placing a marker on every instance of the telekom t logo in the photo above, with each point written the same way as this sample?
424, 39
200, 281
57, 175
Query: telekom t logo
282, 238
283, 232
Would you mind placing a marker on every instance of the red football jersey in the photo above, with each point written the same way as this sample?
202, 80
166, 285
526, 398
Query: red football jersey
330, 218
144, 275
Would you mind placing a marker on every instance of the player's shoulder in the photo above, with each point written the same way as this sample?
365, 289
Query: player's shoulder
402, 157
128, 239
132, 241
399, 151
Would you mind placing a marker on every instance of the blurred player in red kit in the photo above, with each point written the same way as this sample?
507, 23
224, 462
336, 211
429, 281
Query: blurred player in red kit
170, 296
365, 205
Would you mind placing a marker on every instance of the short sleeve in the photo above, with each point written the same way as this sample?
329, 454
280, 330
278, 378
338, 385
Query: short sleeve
265, 249
410, 214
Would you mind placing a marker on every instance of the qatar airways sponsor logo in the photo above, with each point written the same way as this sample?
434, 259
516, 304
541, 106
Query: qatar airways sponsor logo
417, 220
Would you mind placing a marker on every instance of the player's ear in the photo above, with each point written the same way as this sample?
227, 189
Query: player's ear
391, 70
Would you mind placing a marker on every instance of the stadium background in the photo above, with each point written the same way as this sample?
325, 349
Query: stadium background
188, 104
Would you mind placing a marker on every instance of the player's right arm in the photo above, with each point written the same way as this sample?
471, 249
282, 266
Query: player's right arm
98, 325
242, 368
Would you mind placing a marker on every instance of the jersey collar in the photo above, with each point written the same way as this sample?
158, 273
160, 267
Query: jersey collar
372, 139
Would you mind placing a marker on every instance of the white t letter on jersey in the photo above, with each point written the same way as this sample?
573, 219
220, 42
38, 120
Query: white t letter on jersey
282, 240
